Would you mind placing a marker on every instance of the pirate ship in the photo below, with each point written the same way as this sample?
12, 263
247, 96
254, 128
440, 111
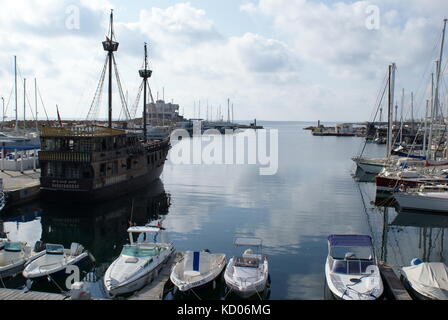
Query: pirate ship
92, 162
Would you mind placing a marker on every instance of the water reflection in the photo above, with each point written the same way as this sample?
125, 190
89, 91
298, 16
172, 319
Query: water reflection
100, 228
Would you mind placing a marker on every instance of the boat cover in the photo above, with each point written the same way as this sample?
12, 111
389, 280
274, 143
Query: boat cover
197, 261
429, 279
339, 240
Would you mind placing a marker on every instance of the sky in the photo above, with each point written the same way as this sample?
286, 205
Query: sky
282, 60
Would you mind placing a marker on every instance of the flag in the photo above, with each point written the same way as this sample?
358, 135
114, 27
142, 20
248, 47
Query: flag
59, 117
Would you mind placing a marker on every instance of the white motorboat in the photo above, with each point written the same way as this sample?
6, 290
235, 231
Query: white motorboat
426, 281
248, 274
351, 269
197, 269
138, 263
426, 198
54, 261
14, 256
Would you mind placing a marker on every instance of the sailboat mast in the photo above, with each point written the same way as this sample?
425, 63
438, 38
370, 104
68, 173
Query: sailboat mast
35, 103
426, 125
428, 152
24, 104
436, 106
401, 116
390, 109
15, 89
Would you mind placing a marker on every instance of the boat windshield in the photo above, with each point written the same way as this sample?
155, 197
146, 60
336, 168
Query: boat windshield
54, 249
351, 266
247, 262
13, 246
139, 252
352, 253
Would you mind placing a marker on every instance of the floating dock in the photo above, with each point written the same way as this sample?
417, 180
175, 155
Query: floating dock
154, 290
20, 187
12, 294
393, 283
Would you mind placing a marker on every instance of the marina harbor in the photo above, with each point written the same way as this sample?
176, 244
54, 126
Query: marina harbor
127, 172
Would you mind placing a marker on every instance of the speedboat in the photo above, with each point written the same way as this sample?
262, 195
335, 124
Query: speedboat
247, 275
138, 263
351, 268
426, 280
14, 256
54, 261
197, 269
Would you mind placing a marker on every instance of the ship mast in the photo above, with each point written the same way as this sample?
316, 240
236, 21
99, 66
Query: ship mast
145, 74
110, 46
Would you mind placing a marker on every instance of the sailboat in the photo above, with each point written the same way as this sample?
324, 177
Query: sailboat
437, 169
376, 165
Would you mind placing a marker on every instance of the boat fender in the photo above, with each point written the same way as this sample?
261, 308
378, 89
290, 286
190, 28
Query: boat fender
29, 284
416, 262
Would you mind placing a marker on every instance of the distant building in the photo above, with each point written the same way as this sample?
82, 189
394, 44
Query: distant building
160, 110
344, 128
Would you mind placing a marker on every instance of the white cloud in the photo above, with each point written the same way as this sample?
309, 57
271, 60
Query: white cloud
319, 57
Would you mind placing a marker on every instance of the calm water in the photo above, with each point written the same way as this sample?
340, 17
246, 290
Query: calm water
205, 206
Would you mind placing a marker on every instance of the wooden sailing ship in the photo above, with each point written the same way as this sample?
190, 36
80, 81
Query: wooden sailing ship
90, 163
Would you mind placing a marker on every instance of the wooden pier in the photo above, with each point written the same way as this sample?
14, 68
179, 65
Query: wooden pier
154, 290
393, 283
20, 187
12, 294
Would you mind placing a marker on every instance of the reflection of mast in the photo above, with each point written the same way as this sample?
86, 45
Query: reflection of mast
384, 236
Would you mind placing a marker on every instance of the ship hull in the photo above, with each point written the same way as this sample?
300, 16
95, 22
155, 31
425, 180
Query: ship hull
101, 194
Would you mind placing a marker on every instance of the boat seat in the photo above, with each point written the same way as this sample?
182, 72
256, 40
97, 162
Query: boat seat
131, 260
197, 262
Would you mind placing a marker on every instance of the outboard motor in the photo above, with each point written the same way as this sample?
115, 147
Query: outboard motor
76, 249
39, 246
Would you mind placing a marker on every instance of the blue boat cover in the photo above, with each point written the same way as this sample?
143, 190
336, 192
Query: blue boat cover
196, 261
338, 240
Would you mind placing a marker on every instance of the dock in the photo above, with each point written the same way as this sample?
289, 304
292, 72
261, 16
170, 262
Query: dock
154, 290
13, 294
20, 187
393, 283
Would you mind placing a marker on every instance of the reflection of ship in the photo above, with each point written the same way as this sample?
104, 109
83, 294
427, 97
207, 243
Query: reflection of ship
87, 163
102, 228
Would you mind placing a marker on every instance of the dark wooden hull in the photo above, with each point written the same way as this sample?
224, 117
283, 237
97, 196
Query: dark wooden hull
101, 194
